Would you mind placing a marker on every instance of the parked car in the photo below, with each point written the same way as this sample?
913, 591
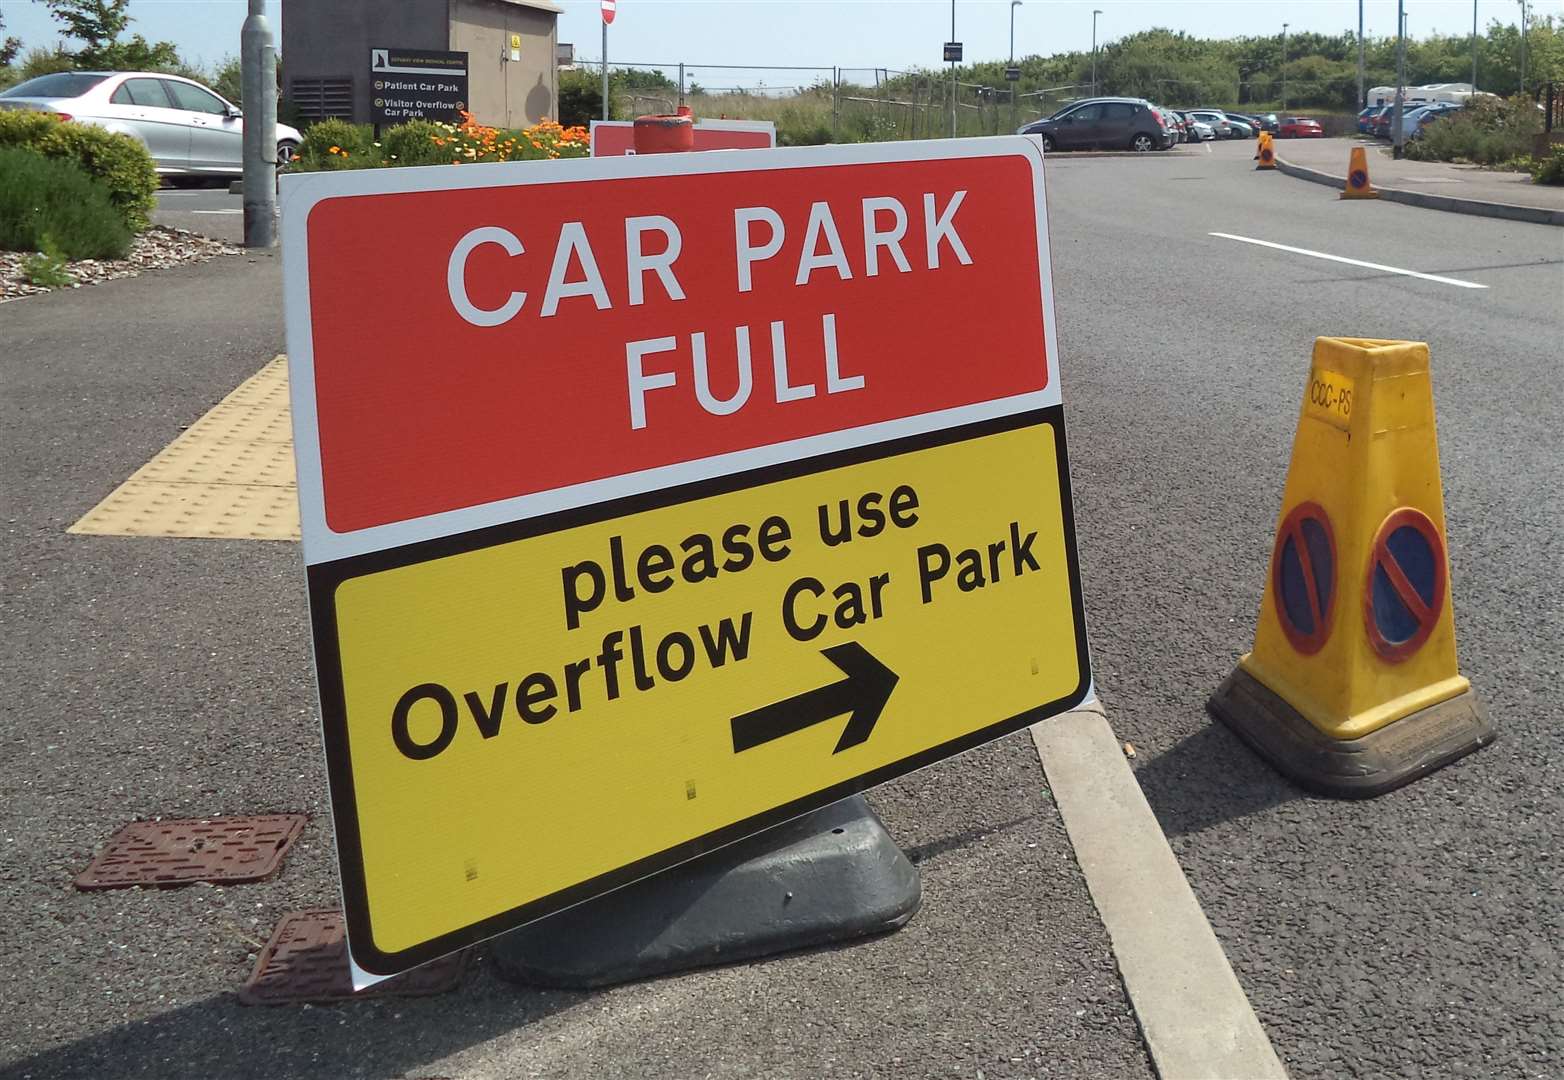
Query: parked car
1366, 119
1201, 131
1417, 122
1268, 122
1219, 123
1300, 127
1239, 124
1109, 123
1241, 129
188, 129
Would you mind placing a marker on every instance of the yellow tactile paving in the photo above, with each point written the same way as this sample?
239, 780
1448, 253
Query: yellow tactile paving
229, 476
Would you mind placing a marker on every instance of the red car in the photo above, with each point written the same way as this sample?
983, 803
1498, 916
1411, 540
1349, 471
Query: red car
1300, 127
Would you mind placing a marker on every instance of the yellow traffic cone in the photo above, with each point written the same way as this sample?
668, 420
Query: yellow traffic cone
1265, 154
1352, 688
1358, 186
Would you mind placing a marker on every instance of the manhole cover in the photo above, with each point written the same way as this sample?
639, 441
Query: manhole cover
224, 851
307, 960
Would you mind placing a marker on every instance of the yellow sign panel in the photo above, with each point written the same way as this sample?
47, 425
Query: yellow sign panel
586, 700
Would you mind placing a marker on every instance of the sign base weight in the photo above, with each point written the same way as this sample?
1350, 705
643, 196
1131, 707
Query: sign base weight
830, 875
1380, 761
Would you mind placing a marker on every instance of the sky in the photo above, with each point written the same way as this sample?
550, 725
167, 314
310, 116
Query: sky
856, 34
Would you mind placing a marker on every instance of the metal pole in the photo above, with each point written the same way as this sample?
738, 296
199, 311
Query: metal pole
1284, 67
1523, 46
1094, 52
258, 79
952, 72
681, 82
1013, 5
836, 102
1474, 45
605, 70
1362, 93
1401, 78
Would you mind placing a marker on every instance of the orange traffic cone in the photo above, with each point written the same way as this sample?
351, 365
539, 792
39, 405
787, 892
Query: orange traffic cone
1265, 154
1358, 186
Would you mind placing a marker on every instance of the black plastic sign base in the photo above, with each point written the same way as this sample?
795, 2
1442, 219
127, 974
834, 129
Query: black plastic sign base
831, 875
1380, 761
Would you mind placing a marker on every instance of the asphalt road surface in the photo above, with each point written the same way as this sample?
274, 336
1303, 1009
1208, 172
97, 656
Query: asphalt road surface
211, 211
1420, 933
1417, 934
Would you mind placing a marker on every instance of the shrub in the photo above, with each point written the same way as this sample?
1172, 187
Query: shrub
51, 206
1549, 169
1486, 132
337, 144
413, 143
118, 162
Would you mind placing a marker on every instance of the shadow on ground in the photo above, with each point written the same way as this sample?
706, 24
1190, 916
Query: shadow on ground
1209, 778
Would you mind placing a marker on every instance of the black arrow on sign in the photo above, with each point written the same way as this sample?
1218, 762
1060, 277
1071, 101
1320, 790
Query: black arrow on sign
862, 694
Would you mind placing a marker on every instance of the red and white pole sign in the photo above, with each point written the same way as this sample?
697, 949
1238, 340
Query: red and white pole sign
608, 10
650, 501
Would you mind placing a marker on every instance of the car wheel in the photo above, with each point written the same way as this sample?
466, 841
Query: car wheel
287, 150
1142, 143
1048, 143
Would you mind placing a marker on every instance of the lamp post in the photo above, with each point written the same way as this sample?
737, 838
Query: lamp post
1474, 46
1523, 46
953, 72
1095, 13
1284, 67
1362, 95
1013, 5
1396, 131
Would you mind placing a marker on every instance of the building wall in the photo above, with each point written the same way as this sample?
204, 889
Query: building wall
504, 92
331, 39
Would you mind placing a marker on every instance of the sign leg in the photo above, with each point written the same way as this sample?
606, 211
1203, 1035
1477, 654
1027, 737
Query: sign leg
831, 875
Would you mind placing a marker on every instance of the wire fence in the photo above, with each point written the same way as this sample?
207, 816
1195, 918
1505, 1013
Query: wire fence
818, 103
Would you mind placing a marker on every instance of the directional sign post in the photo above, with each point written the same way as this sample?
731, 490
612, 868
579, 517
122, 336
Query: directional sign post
677, 497
417, 84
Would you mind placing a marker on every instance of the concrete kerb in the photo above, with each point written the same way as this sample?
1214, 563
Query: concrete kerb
1195, 1018
1536, 215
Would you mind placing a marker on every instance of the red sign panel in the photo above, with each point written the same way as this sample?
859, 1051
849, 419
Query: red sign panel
608, 10
551, 325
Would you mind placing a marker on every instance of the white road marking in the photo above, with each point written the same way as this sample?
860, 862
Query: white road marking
233, 211
1352, 262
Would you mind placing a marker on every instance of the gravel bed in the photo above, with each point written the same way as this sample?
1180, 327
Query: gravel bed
154, 249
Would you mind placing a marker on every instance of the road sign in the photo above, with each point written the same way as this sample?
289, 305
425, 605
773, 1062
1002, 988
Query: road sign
616, 138
608, 10
953, 52
417, 84
1012, 74
1406, 587
1304, 576
672, 501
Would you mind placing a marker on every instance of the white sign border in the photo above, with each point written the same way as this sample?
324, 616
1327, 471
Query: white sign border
300, 194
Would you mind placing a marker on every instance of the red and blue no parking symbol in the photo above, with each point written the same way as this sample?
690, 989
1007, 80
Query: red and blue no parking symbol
1405, 591
1303, 576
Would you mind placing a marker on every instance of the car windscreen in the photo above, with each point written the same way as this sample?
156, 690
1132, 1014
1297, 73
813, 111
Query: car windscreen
58, 84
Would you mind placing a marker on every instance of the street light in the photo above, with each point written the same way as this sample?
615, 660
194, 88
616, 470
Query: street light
1095, 13
1523, 46
952, 72
1013, 5
1362, 97
1397, 131
1284, 67
1474, 45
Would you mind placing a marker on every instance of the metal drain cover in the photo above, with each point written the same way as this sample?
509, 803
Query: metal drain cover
223, 851
307, 960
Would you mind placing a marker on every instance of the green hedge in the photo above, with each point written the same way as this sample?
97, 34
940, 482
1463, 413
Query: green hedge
51, 205
118, 162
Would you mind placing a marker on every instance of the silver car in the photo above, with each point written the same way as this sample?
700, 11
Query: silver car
188, 129
1218, 122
